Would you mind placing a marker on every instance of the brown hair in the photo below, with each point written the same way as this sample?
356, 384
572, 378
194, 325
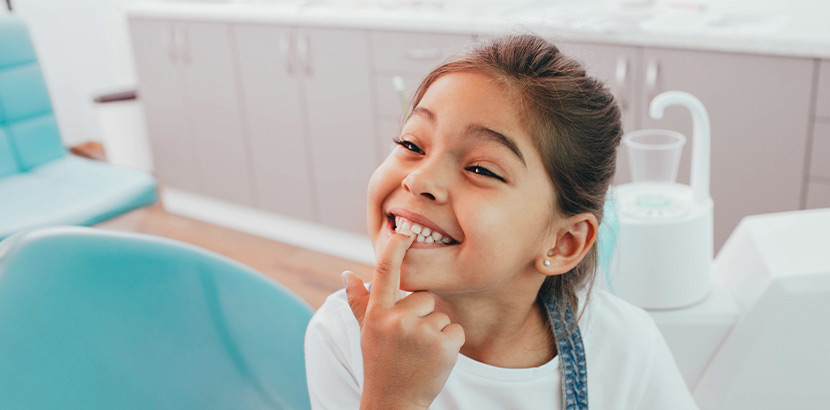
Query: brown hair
575, 125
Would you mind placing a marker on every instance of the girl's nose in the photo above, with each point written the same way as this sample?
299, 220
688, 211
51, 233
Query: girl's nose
425, 182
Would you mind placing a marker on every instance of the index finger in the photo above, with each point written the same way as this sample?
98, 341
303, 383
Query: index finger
387, 280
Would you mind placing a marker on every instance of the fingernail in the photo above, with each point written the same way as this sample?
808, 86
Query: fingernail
344, 276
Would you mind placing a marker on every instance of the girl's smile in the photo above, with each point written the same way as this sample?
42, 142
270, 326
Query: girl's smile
429, 234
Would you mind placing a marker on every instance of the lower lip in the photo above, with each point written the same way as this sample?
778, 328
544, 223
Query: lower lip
390, 230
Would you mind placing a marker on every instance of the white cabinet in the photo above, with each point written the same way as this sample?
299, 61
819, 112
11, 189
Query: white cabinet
158, 65
274, 119
307, 99
337, 87
261, 115
188, 85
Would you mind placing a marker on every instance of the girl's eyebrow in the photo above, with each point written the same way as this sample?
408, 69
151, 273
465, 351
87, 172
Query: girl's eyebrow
491, 135
476, 130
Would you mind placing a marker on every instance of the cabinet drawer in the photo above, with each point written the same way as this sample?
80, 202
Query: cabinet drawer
823, 100
820, 155
417, 53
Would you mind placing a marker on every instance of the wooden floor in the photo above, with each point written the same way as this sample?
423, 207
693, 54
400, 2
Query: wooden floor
309, 274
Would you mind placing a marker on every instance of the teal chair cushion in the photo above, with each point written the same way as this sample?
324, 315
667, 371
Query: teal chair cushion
94, 319
71, 191
8, 161
36, 141
16, 47
25, 109
23, 93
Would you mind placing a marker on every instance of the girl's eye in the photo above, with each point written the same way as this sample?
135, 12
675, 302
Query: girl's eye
408, 145
479, 170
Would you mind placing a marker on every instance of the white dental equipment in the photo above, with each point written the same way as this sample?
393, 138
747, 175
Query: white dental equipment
664, 253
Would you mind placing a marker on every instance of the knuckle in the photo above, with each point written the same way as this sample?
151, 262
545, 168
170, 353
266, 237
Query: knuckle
424, 299
442, 318
384, 265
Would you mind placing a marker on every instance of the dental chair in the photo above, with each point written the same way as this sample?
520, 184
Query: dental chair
40, 183
94, 319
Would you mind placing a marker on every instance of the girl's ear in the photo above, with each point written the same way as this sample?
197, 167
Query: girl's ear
571, 243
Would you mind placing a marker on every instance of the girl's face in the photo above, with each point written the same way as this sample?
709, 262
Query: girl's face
466, 165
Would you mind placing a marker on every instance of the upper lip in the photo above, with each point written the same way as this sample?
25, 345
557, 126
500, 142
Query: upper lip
420, 220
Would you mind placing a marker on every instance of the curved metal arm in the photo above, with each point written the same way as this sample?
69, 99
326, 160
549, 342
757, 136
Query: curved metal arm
701, 140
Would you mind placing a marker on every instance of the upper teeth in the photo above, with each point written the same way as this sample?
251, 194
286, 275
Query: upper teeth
423, 234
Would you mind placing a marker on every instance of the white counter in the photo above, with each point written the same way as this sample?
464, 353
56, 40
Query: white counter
797, 28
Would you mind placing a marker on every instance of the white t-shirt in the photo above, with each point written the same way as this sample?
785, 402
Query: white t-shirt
629, 365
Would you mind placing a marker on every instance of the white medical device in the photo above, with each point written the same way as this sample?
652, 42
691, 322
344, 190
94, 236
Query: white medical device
664, 253
776, 267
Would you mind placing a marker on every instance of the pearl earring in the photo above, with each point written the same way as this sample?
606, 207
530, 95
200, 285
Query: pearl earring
547, 262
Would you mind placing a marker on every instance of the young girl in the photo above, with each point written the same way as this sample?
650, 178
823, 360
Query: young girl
486, 215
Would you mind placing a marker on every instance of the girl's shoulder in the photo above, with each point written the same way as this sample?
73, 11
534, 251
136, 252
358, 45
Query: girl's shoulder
611, 313
614, 328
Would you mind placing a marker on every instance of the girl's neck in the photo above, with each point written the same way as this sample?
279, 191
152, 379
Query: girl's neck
510, 335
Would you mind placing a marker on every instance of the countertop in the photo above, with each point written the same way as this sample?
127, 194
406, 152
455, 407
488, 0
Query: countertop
798, 28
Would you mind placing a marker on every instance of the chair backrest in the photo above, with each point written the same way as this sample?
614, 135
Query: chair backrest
28, 132
94, 319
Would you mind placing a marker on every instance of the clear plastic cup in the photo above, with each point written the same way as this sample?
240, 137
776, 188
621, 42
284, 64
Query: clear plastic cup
654, 155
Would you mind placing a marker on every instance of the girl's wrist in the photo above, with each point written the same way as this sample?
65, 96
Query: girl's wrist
367, 403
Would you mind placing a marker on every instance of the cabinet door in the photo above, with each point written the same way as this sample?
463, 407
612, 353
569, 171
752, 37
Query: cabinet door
274, 119
157, 58
759, 110
618, 67
213, 112
336, 81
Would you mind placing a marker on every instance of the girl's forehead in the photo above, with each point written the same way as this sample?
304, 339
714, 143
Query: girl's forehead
473, 103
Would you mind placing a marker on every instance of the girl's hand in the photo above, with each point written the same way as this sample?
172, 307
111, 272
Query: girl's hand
408, 348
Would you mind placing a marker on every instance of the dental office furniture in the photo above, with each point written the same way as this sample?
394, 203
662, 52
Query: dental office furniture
95, 319
301, 105
40, 183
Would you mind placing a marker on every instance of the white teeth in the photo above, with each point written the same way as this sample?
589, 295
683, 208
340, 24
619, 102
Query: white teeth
423, 234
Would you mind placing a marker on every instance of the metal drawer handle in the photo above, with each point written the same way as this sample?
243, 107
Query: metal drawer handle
652, 78
621, 77
304, 53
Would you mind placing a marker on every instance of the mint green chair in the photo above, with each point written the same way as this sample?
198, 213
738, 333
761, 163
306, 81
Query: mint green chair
40, 184
93, 319
607, 235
